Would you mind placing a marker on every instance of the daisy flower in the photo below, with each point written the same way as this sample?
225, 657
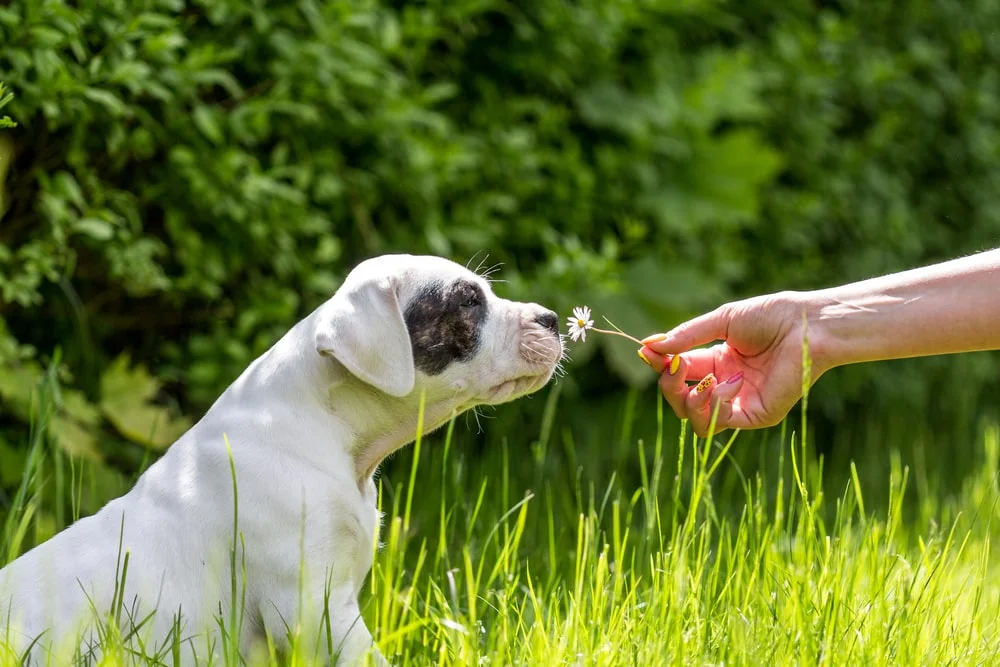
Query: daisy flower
580, 323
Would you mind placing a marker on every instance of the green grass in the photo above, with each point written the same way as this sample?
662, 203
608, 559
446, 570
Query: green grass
497, 560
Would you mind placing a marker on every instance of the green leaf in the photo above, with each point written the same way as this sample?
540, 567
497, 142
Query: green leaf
719, 188
76, 425
106, 99
6, 160
95, 228
672, 289
74, 439
17, 382
67, 187
205, 120
126, 401
727, 89
5, 96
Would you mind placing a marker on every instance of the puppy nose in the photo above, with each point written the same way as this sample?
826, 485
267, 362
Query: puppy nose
549, 320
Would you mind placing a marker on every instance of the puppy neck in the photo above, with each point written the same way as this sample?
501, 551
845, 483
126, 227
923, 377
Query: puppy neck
382, 424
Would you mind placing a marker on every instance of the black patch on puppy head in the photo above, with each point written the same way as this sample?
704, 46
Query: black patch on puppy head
445, 324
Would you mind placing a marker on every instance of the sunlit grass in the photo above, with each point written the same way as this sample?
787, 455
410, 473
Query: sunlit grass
806, 579
482, 566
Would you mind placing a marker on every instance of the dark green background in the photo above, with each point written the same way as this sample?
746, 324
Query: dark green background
191, 178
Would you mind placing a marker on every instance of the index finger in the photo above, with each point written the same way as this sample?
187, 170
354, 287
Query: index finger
703, 329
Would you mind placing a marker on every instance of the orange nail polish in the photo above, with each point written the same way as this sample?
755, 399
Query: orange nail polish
705, 384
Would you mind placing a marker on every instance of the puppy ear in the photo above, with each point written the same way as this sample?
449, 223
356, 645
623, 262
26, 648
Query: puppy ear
362, 327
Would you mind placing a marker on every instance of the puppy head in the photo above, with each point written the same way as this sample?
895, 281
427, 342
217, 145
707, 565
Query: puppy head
407, 324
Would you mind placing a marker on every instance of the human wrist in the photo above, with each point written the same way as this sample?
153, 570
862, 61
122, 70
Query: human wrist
862, 322
827, 335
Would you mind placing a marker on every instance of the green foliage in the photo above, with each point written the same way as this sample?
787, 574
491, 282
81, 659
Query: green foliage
126, 401
189, 179
5, 98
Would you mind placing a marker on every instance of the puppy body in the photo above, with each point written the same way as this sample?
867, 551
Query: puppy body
306, 424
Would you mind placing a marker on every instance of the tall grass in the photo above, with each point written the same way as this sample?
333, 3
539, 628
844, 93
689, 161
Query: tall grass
483, 563
791, 577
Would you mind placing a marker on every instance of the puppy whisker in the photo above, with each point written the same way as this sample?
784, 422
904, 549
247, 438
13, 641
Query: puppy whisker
474, 414
490, 271
533, 354
473, 258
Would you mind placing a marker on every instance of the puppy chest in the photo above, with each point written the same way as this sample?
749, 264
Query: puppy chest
340, 541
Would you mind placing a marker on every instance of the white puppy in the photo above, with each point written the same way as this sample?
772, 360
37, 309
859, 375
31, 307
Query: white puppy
307, 424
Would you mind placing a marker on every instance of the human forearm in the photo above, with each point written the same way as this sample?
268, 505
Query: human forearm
944, 308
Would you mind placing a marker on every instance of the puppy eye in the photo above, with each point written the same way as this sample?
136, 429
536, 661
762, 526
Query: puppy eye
472, 302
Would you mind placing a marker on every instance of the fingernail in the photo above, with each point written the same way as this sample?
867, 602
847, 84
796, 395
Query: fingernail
643, 357
655, 338
705, 384
736, 378
675, 363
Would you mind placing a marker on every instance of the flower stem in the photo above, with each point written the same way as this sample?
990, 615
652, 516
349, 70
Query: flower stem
616, 332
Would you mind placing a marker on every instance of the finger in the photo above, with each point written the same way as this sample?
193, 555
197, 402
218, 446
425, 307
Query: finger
729, 389
713, 400
699, 406
696, 403
700, 362
658, 362
698, 331
674, 388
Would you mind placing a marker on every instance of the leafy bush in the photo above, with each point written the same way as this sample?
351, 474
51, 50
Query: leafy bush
190, 178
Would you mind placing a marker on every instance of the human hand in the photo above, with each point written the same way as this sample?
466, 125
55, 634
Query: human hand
754, 375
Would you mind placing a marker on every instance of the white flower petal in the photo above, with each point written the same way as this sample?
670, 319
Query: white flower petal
579, 323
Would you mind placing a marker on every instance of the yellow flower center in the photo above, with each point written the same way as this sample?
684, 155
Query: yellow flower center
581, 324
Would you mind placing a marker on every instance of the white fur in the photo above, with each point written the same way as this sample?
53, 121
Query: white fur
308, 422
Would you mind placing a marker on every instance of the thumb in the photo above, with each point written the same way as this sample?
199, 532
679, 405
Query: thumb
698, 331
